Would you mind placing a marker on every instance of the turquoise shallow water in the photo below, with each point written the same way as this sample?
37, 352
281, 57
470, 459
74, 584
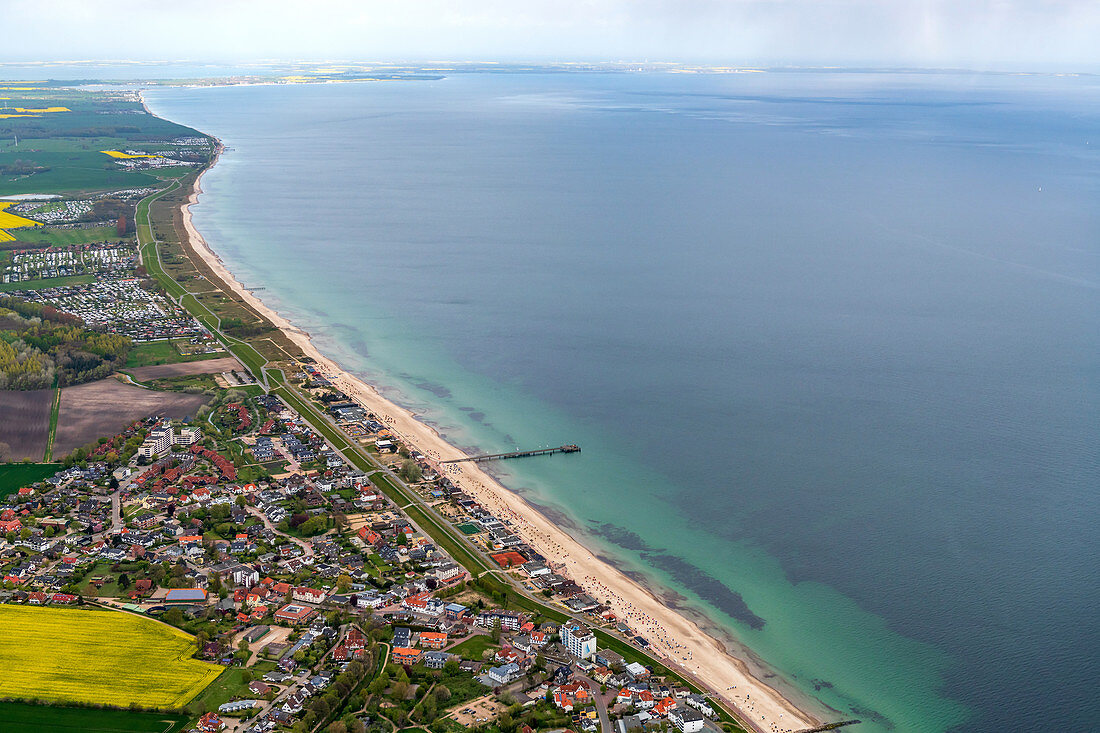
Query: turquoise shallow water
829, 349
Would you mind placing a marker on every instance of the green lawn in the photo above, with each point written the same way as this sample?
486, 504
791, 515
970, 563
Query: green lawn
227, 686
474, 647
16, 717
59, 237
14, 476
162, 352
52, 282
55, 412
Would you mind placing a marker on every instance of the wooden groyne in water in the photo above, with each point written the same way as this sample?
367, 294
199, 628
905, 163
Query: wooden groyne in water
571, 448
830, 726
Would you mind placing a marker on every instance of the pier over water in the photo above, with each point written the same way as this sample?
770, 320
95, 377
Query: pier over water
571, 448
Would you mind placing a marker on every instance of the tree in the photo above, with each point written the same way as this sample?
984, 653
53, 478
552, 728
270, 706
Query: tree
378, 684
337, 726
124, 581
410, 471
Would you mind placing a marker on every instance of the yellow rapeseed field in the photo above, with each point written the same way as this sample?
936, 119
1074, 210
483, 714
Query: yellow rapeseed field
111, 657
12, 221
4, 117
42, 109
118, 154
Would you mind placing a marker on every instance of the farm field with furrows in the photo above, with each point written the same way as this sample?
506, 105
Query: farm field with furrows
25, 425
103, 657
106, 406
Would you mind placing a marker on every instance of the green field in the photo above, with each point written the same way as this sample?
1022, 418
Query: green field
55, 413
228, 685
17, 717
14, 476
48, 236
474, 647
59, 152
52, 282
162, 352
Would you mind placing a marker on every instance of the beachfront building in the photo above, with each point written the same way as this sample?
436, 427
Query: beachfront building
578, 640
686, 720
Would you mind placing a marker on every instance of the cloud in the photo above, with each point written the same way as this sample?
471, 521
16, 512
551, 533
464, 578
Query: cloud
975, 33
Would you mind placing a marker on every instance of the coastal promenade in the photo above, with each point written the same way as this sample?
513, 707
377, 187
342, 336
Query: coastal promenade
761, 708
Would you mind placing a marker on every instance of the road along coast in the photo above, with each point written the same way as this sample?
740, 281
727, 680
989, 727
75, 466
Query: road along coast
684, 645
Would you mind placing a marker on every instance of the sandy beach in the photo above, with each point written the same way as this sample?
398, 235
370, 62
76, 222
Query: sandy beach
683, 644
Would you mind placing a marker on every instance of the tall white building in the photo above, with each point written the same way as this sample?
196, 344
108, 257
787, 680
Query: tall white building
576, 638
158, 441
188, 436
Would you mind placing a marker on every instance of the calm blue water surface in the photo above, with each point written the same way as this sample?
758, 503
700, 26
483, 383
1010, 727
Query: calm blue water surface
830, 342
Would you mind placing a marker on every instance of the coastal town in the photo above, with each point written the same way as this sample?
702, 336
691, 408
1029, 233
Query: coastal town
267, 543
308, 578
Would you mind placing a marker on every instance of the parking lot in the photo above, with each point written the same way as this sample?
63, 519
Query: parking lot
478, 711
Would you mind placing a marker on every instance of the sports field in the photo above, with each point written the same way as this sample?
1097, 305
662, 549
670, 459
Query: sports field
107, 657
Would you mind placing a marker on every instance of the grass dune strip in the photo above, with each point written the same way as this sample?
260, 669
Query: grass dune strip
102, 657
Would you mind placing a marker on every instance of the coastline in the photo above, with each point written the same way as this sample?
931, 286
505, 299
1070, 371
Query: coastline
674, 635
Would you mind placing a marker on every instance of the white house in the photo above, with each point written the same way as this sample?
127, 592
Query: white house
504, 674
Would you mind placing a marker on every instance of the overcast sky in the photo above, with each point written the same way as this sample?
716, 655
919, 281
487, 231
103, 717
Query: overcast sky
984, 34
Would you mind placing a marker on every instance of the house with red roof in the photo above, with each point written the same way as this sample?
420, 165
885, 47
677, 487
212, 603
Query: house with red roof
664, 706
572, 695
433, 640
211, 723
308, 595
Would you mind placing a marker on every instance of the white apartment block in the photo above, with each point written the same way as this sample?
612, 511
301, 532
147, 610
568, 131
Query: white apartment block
188, 436
158, 441
578, 640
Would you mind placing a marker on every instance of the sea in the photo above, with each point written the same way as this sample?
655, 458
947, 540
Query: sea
829, 341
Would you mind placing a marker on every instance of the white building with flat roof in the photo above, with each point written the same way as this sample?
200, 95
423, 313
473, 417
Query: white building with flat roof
578, 639
158, 441
188, 436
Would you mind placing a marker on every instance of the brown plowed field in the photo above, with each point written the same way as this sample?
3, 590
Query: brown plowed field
101, 409
185, 368
25, 423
